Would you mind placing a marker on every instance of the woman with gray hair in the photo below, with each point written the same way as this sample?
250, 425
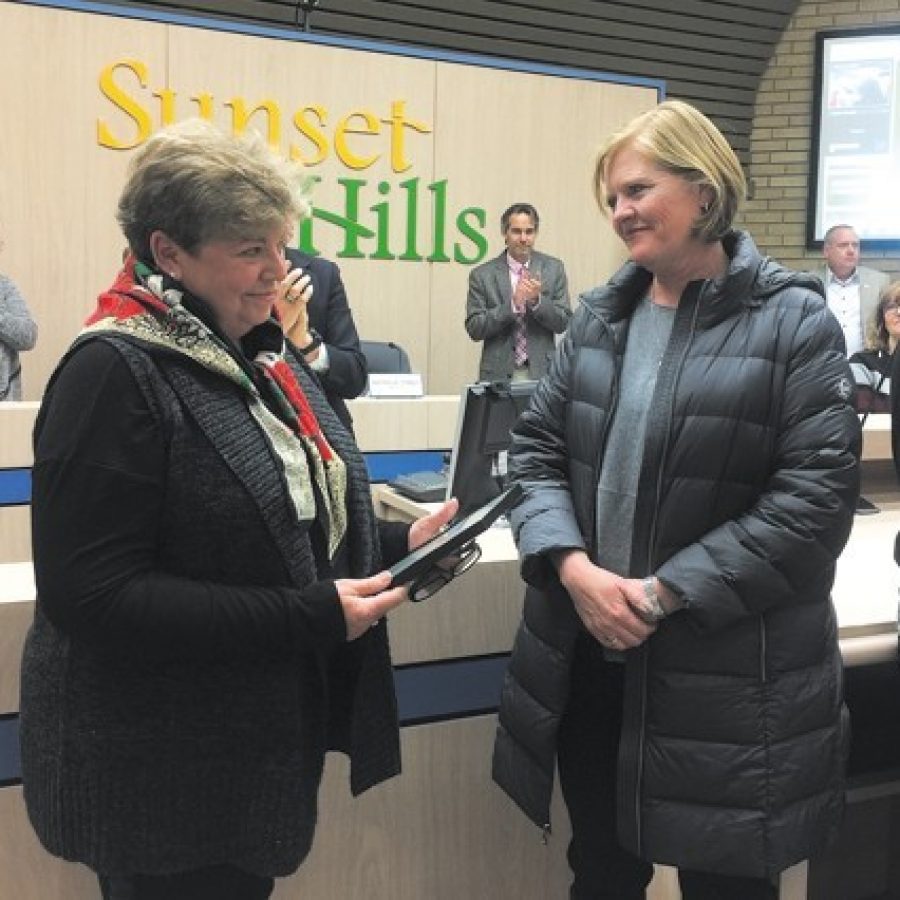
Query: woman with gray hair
210, 574
690, 467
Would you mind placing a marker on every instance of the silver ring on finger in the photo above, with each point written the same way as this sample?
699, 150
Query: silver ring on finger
612, 640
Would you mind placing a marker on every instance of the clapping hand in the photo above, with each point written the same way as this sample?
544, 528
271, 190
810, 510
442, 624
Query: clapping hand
530, 283
294, 293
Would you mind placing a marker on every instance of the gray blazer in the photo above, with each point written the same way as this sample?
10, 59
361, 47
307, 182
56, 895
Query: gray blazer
871, 284
490, 318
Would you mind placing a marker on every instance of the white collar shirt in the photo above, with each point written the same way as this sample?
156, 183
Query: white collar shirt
843, 298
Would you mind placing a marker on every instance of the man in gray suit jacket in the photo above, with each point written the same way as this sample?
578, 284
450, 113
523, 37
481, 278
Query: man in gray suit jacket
851, 290
517, 302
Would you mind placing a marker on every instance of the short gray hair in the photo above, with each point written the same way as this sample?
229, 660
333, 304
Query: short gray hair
829, 235
195, 184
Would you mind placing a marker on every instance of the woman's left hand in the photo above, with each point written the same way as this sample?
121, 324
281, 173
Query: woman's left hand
427, 527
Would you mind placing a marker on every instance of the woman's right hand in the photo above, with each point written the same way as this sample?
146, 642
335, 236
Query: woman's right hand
365, 601
600, 600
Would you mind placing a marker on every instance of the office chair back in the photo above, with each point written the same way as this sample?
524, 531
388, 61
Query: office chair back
385, 357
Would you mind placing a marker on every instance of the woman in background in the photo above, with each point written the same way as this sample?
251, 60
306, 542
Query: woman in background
690, 467
872, 367
18, 332
211, 593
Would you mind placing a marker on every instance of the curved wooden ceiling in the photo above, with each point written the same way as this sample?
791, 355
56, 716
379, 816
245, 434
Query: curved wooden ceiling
711, 53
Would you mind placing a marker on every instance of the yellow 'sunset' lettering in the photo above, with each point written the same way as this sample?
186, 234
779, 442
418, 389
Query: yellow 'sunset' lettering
204, 103
167, 99
311, 122
167, 106
124, 101
315, 135
345, 155
398, 122
241, 117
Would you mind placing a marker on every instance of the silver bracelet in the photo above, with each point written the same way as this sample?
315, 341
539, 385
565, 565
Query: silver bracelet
654, 611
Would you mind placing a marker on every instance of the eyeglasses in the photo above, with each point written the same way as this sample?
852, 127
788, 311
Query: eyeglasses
443, 572
893, 308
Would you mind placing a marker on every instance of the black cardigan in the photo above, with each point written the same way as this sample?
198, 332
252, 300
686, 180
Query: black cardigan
185, 672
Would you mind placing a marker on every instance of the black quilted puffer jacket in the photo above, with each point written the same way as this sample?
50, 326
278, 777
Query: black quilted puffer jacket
735, 735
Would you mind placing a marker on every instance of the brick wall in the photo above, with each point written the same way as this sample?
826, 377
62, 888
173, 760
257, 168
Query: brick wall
780, 138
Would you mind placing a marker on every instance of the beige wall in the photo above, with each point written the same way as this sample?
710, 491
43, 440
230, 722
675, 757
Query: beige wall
780, 141
493, 136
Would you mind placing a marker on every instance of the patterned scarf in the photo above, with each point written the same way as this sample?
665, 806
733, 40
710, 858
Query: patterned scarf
148, 306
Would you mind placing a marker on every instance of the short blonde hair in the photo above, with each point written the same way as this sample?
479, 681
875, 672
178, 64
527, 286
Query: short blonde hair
681, 140
196, 184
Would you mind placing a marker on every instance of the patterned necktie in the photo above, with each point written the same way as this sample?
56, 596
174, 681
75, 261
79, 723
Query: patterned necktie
520, 339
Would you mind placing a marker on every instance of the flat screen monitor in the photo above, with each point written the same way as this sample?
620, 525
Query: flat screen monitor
855, 154
487, 413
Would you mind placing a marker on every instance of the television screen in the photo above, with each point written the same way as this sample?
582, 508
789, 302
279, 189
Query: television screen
487, 413
855, 156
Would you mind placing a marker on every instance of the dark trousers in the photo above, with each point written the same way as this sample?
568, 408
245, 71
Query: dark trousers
588, 747
211, 883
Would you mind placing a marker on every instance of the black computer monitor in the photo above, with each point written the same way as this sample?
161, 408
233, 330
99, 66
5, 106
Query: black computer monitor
487, 413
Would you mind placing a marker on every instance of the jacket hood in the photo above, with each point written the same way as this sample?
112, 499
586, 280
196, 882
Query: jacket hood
751, 278
773, 277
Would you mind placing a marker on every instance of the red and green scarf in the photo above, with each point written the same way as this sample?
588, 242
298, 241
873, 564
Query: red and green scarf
145, 305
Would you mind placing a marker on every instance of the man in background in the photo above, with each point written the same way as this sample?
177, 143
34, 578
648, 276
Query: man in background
851, 290
517, 302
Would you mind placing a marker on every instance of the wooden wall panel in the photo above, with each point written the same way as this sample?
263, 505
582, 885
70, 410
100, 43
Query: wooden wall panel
15, 533
27, 871
441, 831
58, 190
15, 434
482, 138
708, 52
390, 300
488, 158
